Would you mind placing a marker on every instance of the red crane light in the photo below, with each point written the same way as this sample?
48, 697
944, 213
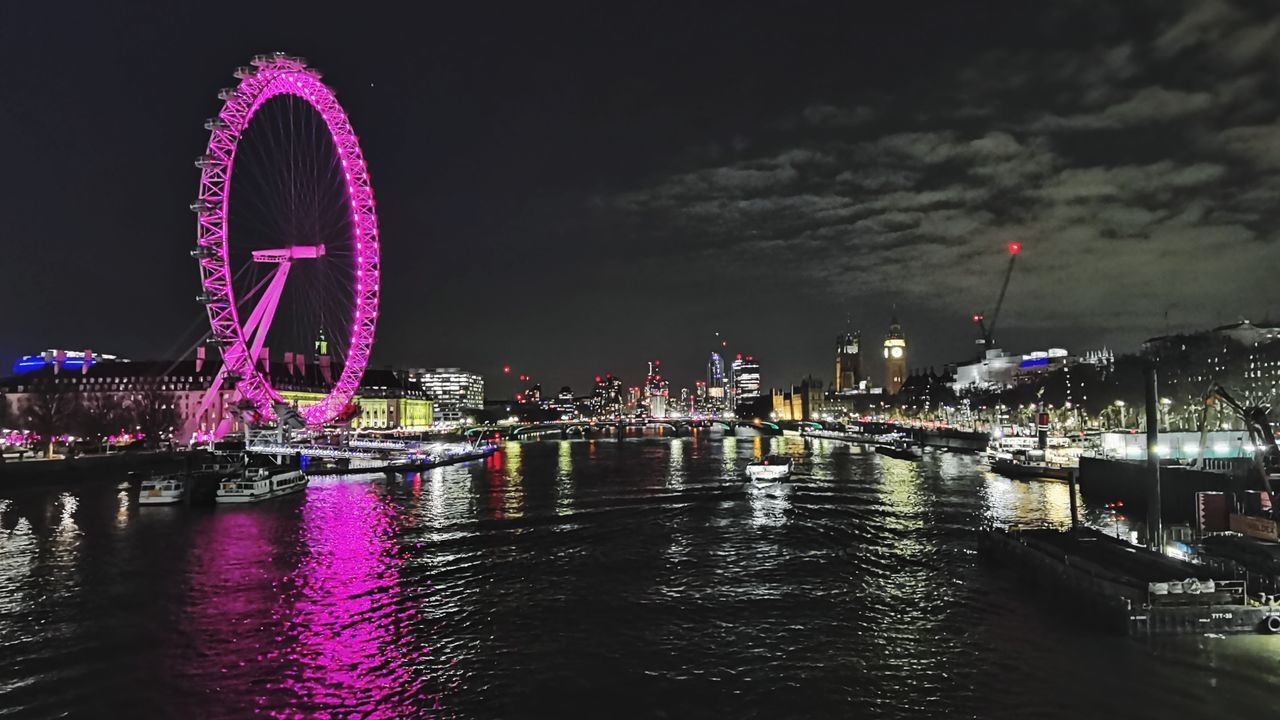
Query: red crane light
977, 318
1015, 248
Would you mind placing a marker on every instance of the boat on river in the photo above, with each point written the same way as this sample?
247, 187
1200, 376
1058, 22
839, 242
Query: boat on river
768, 474
162, 490
770, 468
899, 449
1014, 468
257, 484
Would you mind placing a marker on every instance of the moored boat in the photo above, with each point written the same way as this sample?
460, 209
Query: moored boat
162, 490
1015, 469
899, 449
257, 484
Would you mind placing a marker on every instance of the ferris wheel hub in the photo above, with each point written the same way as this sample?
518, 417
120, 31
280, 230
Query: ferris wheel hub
293, 252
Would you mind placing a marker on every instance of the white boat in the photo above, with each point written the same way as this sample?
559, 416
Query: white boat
260, 484
162, 490
768, 475
770, 468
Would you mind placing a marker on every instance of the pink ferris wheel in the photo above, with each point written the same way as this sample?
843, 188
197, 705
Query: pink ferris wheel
297, 238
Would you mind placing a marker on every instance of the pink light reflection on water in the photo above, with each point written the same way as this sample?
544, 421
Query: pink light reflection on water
299, 611
351, 623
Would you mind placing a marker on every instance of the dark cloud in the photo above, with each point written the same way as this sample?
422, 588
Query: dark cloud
1123, 172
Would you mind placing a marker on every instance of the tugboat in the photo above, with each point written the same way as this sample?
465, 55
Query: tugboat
162, 490
260, 483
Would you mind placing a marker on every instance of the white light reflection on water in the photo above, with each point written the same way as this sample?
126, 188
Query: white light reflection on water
676, 463
67, 505
769, 509
122, 509
729, 456
1026, 502
565, 487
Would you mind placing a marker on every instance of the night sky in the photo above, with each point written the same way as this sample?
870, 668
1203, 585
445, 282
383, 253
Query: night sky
573, 189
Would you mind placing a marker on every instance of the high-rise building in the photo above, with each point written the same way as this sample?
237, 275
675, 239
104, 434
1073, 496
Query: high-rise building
848, 361
564, 404
607, 397
895, 358
532, 395
455, 393
746, 380
657, 390
717, 385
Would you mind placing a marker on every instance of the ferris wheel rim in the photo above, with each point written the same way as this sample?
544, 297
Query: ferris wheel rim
272, 76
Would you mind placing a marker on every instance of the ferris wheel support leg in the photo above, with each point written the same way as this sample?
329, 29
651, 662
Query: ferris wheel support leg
259, 321
224, 427
256, 326
206, 402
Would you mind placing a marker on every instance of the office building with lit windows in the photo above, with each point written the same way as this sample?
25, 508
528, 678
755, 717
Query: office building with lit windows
455, 393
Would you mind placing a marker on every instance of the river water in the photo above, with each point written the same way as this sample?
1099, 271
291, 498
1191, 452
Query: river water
580, 579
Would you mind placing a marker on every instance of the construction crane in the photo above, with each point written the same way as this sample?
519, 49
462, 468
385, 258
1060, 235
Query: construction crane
1266, 455
987, 341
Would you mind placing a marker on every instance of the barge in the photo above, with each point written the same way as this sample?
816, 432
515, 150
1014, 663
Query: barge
1128, 589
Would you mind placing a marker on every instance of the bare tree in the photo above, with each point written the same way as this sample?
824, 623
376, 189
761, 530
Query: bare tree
154, 413
48, 411
101, 415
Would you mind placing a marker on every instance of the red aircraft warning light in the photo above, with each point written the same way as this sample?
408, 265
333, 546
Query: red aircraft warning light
1015, 248
506, 369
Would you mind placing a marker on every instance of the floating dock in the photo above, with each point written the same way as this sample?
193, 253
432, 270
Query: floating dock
1128, 589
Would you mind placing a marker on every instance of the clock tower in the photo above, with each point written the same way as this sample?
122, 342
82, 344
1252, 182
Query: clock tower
895, 358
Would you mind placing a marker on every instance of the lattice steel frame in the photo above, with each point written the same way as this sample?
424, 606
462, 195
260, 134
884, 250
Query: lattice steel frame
273, 75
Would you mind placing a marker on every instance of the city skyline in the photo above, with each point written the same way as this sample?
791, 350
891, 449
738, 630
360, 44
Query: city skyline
842, 165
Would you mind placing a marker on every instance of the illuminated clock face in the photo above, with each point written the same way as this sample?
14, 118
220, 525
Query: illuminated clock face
897, 352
